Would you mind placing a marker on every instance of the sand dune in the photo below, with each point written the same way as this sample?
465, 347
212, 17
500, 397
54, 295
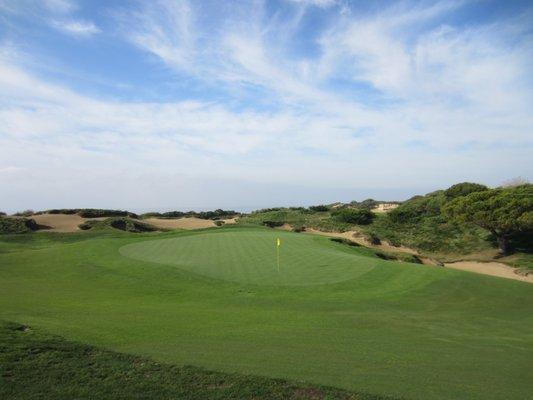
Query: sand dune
185, 223
490, 268
61, 222
487, 268
70, 222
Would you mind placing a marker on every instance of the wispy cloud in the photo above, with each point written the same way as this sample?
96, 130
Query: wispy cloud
60, 6
319, 3
77, 27
388, 97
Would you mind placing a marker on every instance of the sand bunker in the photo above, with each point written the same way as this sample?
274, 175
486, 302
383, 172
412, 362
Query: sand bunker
61, 222
490, 268
185, 223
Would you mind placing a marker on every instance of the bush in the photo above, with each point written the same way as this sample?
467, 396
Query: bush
357, 216
403, 257
319, 208
345, 241
219, 222
17, 225
98, 213
418, 207
121, 223
219, 213
68, 211
273, 224
25, 213
372, 238
463, 189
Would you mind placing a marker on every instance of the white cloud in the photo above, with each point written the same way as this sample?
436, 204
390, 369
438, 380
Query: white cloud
446, 98
318, 3
60, 6
164, 29
77, 27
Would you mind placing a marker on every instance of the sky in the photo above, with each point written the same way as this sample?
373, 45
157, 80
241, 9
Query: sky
160, 104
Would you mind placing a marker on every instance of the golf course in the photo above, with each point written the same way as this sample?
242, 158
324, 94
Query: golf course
328, 314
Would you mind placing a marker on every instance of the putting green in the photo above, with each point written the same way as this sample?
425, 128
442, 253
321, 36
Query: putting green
250, 257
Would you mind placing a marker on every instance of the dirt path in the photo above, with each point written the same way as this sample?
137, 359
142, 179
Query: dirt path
487, 268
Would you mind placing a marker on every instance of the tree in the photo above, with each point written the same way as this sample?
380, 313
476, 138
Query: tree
463, 189
504, 212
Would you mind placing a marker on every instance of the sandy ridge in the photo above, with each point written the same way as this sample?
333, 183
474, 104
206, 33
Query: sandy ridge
70, 222
492, 268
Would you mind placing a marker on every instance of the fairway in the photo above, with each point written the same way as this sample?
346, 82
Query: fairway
250, 257
333, 315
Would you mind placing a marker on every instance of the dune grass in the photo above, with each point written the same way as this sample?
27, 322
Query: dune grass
397, 329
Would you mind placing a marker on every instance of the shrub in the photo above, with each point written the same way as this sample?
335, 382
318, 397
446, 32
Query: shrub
17, 225
463, 189
273, 224
172, 214
25, 213
219, 213
403, 257
120, 223
357, 216
345, 241
372, 238
319, 208
98, 213
219, 222
418, 207
68, 211
298, 229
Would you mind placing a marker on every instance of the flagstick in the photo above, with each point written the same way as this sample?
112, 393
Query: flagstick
277, 248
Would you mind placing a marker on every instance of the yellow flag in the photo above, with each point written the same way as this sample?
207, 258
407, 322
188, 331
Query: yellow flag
279, 242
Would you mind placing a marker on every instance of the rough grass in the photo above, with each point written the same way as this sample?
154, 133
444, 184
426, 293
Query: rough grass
400, 329
34, 365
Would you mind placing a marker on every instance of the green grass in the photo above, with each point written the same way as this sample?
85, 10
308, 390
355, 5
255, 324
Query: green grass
249, 257
35, 365
397, 329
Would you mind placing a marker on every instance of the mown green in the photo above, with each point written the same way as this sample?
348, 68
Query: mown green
398, 329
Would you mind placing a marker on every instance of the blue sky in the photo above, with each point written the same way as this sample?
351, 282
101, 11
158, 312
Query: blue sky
180, 104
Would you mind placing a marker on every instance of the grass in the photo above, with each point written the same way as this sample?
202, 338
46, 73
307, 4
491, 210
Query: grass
35, 365
249, 257
396, 329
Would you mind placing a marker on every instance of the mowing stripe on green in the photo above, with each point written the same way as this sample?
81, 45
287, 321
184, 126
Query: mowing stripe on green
250, 257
